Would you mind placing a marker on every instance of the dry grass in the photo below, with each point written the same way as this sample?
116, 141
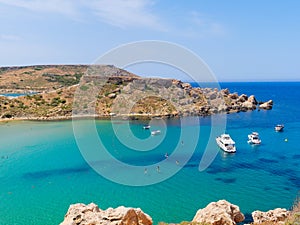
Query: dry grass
294, 217
182, 223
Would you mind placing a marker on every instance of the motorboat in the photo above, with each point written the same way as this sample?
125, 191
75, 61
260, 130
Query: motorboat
279, 127
254, 139
225, 142
155, 132
146, 127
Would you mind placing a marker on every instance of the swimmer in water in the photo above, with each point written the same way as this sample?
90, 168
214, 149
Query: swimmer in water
158, 169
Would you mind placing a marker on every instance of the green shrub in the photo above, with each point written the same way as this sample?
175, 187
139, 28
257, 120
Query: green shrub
38, 68
65, 80
84, 88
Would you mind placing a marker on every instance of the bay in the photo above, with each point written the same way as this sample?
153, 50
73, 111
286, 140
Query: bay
43, 171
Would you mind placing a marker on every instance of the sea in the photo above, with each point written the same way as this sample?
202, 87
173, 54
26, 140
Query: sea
46, 166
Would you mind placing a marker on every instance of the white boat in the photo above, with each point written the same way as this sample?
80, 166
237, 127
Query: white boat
279, 127
155, 132
146, 127
226, 143
253, 138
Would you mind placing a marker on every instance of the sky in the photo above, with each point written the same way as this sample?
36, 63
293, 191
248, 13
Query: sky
250, 40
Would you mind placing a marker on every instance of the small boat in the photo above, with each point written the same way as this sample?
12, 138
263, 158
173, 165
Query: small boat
226, 143
279, 127
155, 132
146, 127
254, 139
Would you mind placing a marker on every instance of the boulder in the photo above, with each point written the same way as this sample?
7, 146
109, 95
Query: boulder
195, 93
266, 105
242, 98
219, 213
212, 95
81, 214
233, 96
112, 95
138, 85
159, 82
186, 85
252, 99
275, 216
117, 90
248, 105
225, 91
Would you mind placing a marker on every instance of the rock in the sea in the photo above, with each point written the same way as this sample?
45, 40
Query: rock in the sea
242, 98
81, 214
266, 105
275, 216
219, 213
248, 105
252, 99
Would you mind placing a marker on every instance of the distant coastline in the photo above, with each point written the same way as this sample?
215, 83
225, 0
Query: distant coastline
65, 92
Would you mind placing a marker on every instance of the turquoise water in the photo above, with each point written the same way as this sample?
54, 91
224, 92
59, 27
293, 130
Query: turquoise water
14, 95
42, 170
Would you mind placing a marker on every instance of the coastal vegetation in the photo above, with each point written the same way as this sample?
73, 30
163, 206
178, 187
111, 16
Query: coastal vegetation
57, 91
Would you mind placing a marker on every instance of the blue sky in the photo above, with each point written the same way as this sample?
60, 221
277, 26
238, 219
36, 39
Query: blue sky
249, 40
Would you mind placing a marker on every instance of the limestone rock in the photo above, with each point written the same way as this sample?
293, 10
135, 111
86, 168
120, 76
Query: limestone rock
233, 96
225, 91
112, 95
160, 82
219, 213
213, 95
81, 214
117, 90
252, 99
242, 98
248, 105
277, 216
266, 105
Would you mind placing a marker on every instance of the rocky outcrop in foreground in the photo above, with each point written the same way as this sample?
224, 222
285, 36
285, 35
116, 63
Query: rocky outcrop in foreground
81, 214
277, 216
221, 212
216, 213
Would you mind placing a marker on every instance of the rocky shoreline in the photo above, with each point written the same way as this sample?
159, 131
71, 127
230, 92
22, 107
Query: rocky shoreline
221, 212
66, 92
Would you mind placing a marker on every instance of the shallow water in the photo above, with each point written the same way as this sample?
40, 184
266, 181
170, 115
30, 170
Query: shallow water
42, 170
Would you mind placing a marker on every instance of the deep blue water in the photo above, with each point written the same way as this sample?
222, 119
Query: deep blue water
42, 170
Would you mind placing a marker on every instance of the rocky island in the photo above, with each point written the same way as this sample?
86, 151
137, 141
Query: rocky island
53, 92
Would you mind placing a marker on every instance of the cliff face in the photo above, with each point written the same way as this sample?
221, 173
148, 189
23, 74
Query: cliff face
106, 90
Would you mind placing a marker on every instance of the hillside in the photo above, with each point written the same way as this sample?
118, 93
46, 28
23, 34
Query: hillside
58, 91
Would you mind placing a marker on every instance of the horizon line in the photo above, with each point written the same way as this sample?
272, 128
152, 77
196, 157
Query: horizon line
87, 64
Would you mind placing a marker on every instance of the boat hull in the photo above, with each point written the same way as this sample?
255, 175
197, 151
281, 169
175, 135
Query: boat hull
252, 140
224, 148
279, 128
